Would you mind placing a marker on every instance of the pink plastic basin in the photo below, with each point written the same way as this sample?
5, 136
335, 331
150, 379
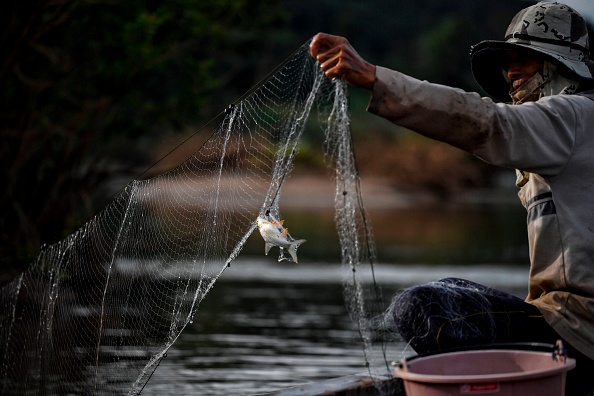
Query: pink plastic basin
484, 372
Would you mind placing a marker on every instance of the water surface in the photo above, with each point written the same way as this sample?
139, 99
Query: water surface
267, 325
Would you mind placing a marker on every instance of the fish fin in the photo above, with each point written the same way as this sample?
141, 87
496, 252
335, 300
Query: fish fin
281, 222
267, 247
274, 222
292, 249
285, 232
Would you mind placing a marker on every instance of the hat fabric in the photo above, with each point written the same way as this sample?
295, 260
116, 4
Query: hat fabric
553, 31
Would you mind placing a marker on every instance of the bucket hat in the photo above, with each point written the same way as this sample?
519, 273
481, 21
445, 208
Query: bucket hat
553, 31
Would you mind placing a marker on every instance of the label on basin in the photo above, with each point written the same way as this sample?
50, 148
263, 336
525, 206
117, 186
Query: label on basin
475, 389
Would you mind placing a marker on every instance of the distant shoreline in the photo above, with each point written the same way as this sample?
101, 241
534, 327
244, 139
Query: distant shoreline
306, 191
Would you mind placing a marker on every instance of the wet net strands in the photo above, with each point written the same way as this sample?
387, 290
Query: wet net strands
96, 312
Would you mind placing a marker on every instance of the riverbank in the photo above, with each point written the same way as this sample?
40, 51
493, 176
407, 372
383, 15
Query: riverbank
317, 191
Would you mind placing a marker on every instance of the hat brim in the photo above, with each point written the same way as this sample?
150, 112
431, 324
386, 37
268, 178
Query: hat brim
488, 59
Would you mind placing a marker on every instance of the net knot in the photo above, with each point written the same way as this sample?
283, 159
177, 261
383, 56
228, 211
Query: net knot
230, 109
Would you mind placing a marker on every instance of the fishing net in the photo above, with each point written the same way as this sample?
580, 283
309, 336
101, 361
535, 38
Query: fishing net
96, 312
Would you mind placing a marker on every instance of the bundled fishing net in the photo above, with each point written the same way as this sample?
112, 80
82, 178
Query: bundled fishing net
96, 312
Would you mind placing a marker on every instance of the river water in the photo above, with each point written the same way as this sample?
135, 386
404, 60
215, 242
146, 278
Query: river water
267, 326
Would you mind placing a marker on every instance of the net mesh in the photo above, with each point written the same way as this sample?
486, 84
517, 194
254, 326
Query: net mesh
96, 312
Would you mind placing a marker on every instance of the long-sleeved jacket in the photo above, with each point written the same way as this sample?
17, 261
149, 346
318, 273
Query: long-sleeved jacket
552, 142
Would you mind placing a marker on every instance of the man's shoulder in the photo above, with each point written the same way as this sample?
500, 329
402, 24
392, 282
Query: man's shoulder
575, 99
588, 94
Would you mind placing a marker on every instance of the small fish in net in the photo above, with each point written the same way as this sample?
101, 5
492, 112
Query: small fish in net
274, 234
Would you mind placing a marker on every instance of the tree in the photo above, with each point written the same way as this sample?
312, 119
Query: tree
80, 78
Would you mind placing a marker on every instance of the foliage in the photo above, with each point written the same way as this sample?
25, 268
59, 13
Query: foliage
90, 87
438, 49
82, 77
403, 35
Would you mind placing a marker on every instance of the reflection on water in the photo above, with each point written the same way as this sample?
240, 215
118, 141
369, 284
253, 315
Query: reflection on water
255, 336
268, 325
457, 233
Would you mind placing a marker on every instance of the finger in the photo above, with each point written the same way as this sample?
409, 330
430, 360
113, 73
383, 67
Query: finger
316, 46
321, 42
331, 68
327, 56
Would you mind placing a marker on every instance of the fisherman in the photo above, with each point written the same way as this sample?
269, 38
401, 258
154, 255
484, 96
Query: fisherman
544, 128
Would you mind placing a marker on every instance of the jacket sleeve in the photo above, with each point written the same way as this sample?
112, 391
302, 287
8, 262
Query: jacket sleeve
537, 137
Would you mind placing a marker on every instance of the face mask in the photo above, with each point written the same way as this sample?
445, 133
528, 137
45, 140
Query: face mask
550, 82
530, 91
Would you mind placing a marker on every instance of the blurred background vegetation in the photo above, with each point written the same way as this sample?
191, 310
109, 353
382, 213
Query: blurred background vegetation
94, 91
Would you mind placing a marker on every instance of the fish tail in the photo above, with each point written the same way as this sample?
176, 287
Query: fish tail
292, 249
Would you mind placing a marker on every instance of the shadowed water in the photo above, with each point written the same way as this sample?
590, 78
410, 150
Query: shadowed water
267, 325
